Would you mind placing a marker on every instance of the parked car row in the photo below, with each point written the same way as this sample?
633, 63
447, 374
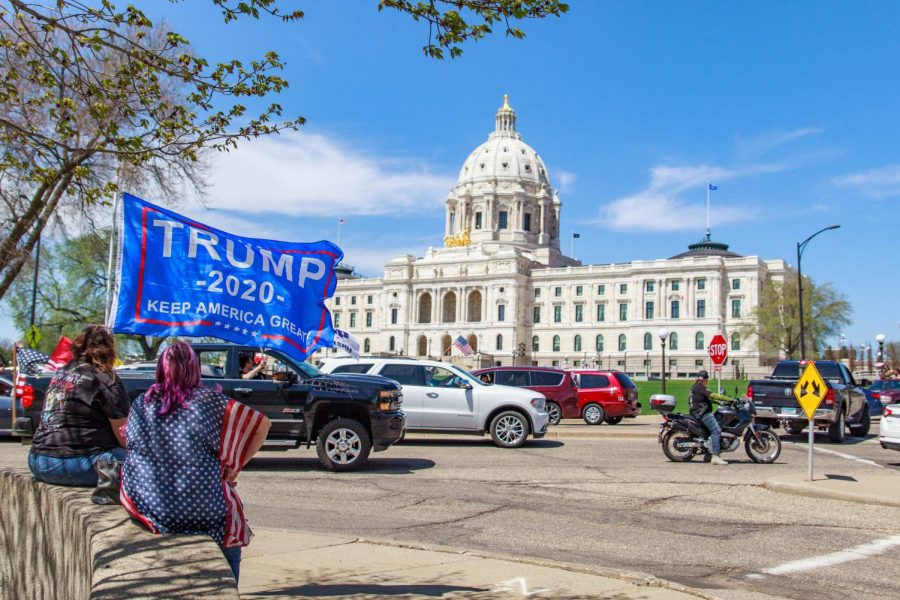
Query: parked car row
595, 396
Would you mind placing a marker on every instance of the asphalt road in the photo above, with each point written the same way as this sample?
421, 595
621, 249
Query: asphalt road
610, 503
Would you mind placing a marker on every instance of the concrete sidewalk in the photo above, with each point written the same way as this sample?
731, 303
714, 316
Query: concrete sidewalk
642, 426
295, 564
880, 488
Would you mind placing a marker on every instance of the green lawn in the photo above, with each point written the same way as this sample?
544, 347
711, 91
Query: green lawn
680, 389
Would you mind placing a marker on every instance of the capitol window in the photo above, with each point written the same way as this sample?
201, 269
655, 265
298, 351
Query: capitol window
557, 314
579, 313
579, 290
367, 345
499, 341
478, 220
623, 288
699, 341
623, 311
673, 341
537, 292
601, 290
622, 345
735, 284
735, 343
598, 343
503, 220
368, 320
577, 345
676, 285
526, 224
648, 310
701, 284
393, 316
701, 309
556, 343
650, 286
535, 344
557, 291
537, 314
676, 309
601, 312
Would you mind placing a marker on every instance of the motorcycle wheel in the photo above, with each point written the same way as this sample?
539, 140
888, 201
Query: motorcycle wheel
670, 446
764, 451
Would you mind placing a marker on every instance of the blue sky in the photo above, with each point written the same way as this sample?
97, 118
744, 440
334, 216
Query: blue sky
790, 108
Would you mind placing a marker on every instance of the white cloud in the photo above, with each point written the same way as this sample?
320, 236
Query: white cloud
311, 174
766, 142
659, 206
881, 182
566, 180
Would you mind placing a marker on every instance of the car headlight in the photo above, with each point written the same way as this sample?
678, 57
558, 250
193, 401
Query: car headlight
538, 403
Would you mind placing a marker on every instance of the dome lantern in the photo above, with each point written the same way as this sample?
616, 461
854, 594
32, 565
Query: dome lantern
506, 117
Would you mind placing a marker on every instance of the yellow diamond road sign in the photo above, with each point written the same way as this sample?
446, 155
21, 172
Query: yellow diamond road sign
33, 336
810, 389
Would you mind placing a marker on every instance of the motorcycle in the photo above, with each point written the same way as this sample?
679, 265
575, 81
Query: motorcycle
683, 436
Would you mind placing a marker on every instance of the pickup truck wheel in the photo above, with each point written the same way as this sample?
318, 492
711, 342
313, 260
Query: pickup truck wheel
862, 429
509, 429
343, 445
555, 413
837, 431
593, 414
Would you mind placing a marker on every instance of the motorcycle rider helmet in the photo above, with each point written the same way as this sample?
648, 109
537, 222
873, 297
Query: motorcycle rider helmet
702, 375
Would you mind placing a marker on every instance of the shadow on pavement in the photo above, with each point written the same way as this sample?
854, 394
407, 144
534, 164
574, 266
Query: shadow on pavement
371, 590
475, 441
396, 466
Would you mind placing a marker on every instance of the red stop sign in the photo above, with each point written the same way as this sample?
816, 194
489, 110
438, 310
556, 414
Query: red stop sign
718, 349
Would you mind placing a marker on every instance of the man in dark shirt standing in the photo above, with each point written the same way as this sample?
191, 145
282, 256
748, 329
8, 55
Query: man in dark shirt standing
702, 408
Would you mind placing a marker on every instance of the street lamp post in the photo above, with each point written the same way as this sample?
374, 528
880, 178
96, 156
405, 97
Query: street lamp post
598, 360
800, 247
663, 335
880, 339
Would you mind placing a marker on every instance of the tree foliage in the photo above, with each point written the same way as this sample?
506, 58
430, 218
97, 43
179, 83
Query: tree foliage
777, 317
451, 23
71, 292
94, 98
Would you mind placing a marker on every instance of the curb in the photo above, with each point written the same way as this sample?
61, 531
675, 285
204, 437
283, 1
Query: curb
799, 489
565, 435
633, 577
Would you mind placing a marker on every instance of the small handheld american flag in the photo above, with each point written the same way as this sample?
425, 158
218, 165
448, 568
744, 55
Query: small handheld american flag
463, 346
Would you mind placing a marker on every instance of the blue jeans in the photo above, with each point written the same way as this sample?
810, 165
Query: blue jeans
72, 470
233, 556
715, 432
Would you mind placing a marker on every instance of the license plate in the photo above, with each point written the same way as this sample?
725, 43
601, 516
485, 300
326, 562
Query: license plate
789, 411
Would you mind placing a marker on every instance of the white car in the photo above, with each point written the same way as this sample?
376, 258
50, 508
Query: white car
439, 396
889, 435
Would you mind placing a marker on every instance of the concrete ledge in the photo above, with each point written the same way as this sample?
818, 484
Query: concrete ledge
879, 490
55, 543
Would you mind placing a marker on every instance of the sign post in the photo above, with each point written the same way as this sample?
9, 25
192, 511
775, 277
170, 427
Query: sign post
718, 352
810, 390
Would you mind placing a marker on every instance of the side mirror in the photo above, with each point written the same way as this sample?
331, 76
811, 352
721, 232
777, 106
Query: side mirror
463, 384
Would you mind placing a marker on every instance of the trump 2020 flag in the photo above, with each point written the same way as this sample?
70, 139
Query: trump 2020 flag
180, 277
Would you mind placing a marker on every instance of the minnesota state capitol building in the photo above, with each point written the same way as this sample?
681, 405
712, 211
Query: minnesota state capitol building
502, 282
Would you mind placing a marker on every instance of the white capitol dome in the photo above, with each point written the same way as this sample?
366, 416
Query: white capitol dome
504, 156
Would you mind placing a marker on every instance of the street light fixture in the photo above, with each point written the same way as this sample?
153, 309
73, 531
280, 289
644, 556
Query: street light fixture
663, 336
518, 353
800, 247
880, 339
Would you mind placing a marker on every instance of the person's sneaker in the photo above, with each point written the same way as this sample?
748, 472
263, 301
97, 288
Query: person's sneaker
718, 461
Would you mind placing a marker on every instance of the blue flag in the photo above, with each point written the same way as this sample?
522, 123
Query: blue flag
176, 276
712, 187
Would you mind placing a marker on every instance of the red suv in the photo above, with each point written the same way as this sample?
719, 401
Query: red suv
606, 396
555, 384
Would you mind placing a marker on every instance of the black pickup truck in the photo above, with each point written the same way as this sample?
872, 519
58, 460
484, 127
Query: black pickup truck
345, 416
844, 403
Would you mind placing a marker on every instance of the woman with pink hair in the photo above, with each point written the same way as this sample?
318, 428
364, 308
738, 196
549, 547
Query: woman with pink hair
186, 446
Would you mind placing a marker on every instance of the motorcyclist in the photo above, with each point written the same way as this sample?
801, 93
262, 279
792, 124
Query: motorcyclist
702, 408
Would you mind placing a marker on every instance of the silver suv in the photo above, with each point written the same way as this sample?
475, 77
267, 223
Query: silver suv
439, 396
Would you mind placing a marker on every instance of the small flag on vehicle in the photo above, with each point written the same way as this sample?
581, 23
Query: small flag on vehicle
463, 346
344, 340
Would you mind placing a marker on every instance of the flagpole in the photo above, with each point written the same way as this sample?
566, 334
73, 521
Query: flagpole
572, 246
15, 366
707, 210
340, 222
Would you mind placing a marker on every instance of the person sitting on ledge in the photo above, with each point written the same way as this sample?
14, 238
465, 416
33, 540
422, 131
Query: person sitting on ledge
181, 469
84, 407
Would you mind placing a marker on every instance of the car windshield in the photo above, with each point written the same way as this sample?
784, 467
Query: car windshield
468, 376
793, 369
